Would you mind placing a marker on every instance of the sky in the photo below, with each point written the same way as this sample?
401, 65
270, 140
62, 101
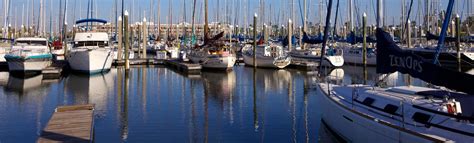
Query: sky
237, 10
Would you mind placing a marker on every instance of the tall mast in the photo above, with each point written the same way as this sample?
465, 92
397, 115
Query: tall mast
379, 13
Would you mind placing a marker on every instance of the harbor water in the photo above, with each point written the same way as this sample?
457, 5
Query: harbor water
157, 104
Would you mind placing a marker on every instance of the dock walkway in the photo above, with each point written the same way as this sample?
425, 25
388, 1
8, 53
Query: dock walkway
69, 124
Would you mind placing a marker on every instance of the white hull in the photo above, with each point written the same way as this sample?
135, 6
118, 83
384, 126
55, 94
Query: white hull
91, 61
329, 61
359, 123
357, 59
266, 62
28, 66
226, 62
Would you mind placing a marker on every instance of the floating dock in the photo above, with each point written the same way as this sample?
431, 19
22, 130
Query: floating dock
142, 61
55, 70
70, 124
185, 67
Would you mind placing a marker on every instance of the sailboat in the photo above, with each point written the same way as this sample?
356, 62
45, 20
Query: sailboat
332, 57
91, 52
364, 113
212, 54
267, 56
29, 55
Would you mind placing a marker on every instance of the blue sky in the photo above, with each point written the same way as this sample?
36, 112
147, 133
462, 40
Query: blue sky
280, 8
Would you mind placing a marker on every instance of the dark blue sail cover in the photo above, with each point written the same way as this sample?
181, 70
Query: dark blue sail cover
311, 40
390, 58
467, 39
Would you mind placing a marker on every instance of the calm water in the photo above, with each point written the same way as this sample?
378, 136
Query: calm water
158, 104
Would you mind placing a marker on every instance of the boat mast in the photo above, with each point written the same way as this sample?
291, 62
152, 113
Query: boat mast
326, 34
446, 22
380, 13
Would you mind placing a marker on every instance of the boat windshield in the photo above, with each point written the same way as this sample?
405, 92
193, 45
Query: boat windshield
31, 43
91, 43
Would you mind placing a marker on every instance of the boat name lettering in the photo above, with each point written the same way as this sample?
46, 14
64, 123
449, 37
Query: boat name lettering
406, 62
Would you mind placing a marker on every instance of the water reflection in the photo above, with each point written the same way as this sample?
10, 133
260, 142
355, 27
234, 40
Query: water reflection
24, 84
90, 89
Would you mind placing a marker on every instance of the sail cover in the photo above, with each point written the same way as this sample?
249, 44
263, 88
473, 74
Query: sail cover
311, 40
390, 58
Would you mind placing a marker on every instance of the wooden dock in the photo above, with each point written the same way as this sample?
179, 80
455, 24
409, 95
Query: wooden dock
185, 67
55, 70
142, 61
70, 124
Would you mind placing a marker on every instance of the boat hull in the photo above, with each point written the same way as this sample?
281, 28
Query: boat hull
357, 59
355, 126
28, 64
215, 62
328, 61
267, 62
90, 60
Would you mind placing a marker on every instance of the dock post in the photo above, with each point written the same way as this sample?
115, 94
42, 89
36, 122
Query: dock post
301, 39
364, 37
144, 37
127, 40
64, 41
21, 31
120, 39
289, 34
255, 40
264, 30
409, 34
9, 30
458, 41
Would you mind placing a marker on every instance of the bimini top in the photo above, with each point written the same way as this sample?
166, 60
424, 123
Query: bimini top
91, 20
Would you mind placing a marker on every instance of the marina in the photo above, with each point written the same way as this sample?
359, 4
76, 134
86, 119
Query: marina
236, 71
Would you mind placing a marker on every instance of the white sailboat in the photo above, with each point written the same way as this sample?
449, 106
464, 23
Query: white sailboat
332, 58
91, 53
212, 55
354, 56
29, 55
268, 56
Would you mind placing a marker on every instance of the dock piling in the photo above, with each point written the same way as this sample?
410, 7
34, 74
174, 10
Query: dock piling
127, 40
120, 39
255, 40
364, 37
458, 41
290, 33
144, 37
409, 34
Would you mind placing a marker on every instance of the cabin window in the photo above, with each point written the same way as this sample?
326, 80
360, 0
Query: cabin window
32, 43
421, 117
390, 108
368, 101
92, 43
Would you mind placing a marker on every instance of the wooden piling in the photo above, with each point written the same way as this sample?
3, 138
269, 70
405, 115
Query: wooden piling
290, 33
409, 34
144, 37
127, 40
65, 51
120, 38
458, 41
364, 37
255, 40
